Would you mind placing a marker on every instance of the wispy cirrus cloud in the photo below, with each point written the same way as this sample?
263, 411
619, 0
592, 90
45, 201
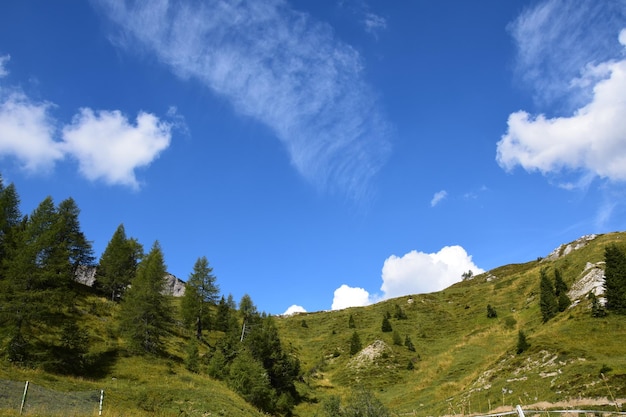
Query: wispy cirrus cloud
275, 65
557, 40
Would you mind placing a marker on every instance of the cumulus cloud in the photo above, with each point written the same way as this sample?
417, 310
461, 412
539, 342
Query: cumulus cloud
27, 132
439, 195
419, 272
293, 310
590, 141
346, 296
109, 148
277, 66
414, 273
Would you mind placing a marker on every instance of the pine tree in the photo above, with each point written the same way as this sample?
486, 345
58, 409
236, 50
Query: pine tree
397, 340
491, 312
78, 247
145, 311
386, 325
10, 218
351, 324
355, 344
560, 290
222, 316
409, 344
118, 264
547, 299
399, 313
36, 289
522, 343
615, 278
201, 293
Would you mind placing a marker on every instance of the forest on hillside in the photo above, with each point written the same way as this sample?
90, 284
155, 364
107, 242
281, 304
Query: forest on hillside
42, 325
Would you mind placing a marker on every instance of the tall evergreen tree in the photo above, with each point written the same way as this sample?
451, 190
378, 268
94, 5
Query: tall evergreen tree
118, 264
560, 291
145, 311
36, 288
78, 247
547, 299
386, 325
10, 218
355, 343
615, 278
201, 293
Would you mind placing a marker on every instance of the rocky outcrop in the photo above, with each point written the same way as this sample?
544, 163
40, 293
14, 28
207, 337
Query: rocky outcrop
592, 280
174, 286
566, 249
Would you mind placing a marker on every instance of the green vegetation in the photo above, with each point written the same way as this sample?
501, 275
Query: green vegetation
203, 354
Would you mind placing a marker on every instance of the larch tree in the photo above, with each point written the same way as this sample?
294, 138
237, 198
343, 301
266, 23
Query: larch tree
118, 264
78, 248
145, 310
615, 278
547, 300
201, 292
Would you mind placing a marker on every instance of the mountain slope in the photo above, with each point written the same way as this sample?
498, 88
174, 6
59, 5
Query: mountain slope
465, 362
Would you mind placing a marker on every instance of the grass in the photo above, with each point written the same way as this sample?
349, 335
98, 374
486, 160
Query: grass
463, 363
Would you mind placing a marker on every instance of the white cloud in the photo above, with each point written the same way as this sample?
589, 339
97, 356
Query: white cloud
293, 310
346, 296
27, 132
419, 272
440, 195
275, 65
3, 60
590, 141
109, 148
556, 39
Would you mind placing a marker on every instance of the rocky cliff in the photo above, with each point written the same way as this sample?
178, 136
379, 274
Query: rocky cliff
173, 286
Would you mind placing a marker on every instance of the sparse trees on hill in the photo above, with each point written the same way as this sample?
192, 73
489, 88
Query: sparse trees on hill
145, 312
201, 293
615, 278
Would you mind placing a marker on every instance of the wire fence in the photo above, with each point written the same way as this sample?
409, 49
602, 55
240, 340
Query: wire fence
30, 399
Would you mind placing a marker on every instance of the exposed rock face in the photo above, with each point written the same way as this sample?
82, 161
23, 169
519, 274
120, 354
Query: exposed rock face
174, 286
566, 249
86, 275
592, 280
369, 354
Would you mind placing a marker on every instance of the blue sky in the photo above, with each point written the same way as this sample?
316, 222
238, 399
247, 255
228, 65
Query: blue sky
321, 154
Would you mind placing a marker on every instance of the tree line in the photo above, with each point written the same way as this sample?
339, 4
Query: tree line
41, 325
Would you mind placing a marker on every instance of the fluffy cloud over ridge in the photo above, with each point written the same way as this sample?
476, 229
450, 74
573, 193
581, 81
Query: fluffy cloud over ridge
419, 272
275, 65
591, 140
414, 273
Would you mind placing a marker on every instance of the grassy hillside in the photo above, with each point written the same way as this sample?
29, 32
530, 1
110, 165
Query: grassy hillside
465, 362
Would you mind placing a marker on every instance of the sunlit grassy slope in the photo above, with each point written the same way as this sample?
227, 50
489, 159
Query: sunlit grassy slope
465, 362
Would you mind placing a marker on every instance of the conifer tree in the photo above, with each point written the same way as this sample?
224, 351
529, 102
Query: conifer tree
386, 325
118, 264
351, 324
36, 288
409, 344
547, 299
222, 316
615, 278
10, 218
78, 247
522, 343
560, 291
355, 344
145, 311
200, 294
